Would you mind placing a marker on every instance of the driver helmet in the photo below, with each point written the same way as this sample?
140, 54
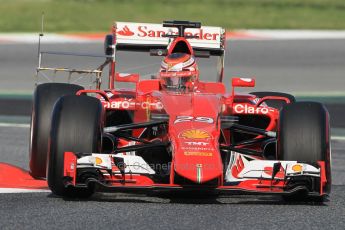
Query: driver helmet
178, 72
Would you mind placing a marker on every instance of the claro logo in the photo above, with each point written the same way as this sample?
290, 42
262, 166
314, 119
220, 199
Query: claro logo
144, 31
250, 109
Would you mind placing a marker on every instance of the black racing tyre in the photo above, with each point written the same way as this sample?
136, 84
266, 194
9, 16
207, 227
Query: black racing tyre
44, 99
77, 126
275, 103
303, 135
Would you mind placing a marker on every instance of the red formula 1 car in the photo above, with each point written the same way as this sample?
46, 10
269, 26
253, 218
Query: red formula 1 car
176, 132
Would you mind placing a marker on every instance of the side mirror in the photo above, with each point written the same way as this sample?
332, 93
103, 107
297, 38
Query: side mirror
127, 77
243, 82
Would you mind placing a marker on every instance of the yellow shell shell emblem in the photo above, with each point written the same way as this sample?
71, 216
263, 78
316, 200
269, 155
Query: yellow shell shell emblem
194, 134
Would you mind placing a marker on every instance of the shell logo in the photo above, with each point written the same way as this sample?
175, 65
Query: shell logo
194, 134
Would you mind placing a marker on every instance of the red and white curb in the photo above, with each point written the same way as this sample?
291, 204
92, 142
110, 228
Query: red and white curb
17, 180
8, 38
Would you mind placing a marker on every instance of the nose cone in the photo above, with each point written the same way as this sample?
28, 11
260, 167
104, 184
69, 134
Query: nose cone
199, 172
194, 132
196, 157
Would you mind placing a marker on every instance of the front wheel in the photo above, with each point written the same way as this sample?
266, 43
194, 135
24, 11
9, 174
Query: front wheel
76, 127
303, 135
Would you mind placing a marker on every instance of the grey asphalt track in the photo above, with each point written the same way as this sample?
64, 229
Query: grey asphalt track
290, 66
42, 211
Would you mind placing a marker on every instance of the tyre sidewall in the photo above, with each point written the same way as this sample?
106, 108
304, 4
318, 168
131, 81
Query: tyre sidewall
77, 127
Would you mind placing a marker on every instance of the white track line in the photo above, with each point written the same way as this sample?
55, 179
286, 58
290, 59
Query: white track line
21, 190
14, 125
338, 138
50, 38
294, 34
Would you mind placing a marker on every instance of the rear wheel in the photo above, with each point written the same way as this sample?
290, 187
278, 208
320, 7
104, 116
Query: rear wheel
278, 104
44, 99
77, 127
303, 135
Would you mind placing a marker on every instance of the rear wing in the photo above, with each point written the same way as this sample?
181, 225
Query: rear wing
155, 38
131, 36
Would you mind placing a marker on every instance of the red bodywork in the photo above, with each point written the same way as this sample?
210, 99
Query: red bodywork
194, 131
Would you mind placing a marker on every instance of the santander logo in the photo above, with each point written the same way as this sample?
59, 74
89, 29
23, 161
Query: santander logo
158, 32
125, 31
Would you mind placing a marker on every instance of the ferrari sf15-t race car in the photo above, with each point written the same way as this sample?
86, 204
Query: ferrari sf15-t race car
176, 132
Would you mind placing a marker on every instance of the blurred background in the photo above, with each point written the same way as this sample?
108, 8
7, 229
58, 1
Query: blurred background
291, 46
96, 15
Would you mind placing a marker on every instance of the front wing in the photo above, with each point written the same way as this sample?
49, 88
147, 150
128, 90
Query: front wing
130, 173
